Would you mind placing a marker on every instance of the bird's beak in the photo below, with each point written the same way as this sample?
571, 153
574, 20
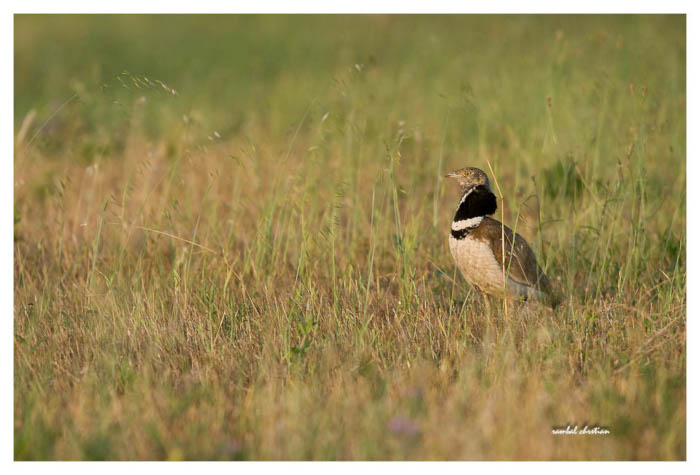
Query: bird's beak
452, 175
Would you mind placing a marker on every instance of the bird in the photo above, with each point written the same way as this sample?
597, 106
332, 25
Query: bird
477, 247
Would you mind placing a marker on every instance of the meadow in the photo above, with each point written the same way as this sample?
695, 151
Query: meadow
230, 237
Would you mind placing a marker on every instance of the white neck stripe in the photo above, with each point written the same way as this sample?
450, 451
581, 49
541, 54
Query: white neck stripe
465, 196
466, 223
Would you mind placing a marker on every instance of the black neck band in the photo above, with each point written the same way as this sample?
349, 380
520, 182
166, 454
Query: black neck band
478, 201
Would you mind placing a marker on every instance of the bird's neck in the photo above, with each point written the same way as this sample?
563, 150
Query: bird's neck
476, 203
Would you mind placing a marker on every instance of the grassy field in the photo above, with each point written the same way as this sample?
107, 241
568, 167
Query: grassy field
231, 237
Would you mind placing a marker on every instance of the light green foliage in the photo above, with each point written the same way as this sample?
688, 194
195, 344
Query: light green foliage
270, 276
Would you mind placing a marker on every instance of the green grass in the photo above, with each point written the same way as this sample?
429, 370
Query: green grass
256, 267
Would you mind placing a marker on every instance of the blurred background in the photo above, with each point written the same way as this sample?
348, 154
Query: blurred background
493, 72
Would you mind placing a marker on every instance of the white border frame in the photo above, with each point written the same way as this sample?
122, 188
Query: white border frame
359, 6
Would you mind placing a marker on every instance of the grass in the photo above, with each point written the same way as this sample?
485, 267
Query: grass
255, 266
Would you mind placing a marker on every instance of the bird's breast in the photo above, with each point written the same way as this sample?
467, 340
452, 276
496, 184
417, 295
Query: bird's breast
477, 263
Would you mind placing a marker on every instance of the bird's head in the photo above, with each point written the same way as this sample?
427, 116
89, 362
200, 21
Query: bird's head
470, 177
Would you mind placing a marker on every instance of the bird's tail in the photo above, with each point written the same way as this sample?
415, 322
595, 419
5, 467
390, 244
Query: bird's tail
552, 297
555, 299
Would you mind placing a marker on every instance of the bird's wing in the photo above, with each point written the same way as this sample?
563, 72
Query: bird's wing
520, 262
